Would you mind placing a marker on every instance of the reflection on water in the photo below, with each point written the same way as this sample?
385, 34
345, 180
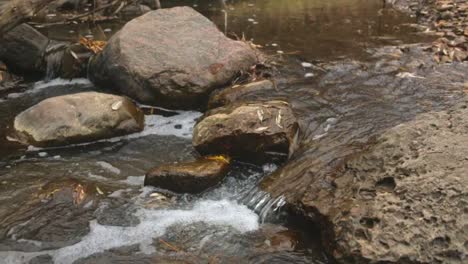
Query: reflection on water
313, 29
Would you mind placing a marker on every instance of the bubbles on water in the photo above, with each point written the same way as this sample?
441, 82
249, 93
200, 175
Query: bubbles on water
109, 167
134, 180
153, 223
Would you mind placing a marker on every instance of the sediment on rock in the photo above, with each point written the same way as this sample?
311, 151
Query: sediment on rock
252, 131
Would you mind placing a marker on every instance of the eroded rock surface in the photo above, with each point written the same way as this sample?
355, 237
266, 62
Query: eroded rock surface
247, 130
78, 118
405, 199
189, 177
170, 57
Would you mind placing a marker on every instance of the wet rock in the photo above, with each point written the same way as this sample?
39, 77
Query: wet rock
22, 49
247, 130
131, 11
189, 177
5, 76
78, 118
154, 59
234, 93
278, 238
74, 62
404, 199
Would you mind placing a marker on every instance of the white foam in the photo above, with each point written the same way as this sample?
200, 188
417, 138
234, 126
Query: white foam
38, 86
134, 180
109, 167
59, 81
154, 125
97, 177
153, 223
165, 126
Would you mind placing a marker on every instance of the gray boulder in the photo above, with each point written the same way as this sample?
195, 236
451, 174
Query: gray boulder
170, 57
189, 177
23, 48
247, 130
76, 118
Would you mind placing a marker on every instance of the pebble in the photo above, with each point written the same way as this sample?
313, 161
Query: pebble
42, 154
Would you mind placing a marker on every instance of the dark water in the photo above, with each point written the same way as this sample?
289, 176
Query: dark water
86, 203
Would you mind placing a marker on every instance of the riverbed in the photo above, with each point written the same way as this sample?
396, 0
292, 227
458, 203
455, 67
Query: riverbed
341, 65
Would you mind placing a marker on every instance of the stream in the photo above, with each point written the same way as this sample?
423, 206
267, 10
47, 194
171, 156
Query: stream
86, 203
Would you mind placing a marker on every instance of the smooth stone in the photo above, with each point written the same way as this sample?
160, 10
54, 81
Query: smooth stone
75, 118
189, 177
173, 57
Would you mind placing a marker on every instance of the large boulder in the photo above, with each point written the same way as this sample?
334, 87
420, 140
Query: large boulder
76, 118
238, 92
189, 177
170, 57
253, 131
405, 199
23, 48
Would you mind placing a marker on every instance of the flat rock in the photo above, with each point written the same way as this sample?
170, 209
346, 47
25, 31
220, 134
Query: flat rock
237, 92
23, 48
405, 199
170, 57
77, 118
189, 177
247, 130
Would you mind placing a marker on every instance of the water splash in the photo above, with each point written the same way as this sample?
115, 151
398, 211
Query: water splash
153, 223
53, 58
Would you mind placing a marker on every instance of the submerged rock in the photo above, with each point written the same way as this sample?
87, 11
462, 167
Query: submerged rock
278, 238
170, 57
247, 130
405, 199
23, 48
189, 177
78, 117
234, 93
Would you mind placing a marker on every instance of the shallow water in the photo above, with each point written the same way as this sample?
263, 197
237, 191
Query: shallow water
85, 203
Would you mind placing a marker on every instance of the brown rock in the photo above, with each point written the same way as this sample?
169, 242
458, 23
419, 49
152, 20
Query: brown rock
78, 117
404, 200
22, 49
189, 177
170, 57
247, 130
234, 93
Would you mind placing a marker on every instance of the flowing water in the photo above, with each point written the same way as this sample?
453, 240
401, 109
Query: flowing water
86, 203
